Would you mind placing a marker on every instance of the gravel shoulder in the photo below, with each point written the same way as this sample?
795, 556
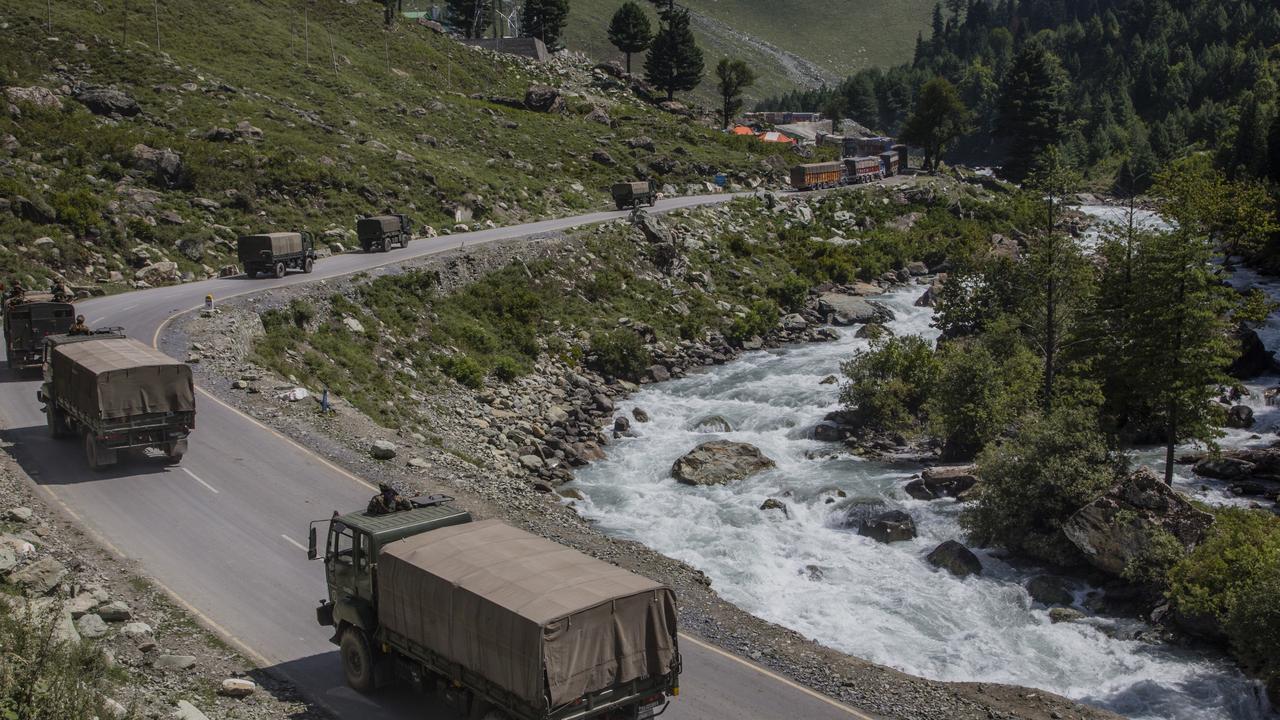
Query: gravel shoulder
453, 453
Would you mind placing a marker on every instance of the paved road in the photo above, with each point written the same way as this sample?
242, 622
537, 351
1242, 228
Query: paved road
224, 531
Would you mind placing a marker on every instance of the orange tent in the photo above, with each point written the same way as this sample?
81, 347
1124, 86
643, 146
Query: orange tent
743, 130
776, 137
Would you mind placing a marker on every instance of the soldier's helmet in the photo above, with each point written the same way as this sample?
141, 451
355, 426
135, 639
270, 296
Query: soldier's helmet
384, 487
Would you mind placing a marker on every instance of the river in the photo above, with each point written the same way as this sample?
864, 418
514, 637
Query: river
879, 602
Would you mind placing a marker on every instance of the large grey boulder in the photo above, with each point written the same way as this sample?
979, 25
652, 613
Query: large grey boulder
34, 95
41, 576
382, 450
103, 100
91, 626
948, 481
1223, 468
713, 424
955, 559
1118, 527
542, 98
719, 462
892, 526
164, 163
851, 309
1253, 359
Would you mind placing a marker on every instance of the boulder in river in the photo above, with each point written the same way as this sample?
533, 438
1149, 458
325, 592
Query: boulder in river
1049, 590
852, 310
956, 559
892, 526
775, 504
1118, 527
1221, 467
945, 481
719, 462
1254, 358
1240, 417
1064, 614
713, 424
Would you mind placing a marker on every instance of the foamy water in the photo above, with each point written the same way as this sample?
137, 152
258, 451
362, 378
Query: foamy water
880, 602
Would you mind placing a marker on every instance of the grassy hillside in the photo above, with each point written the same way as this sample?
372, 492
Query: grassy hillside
278, 118
838, 37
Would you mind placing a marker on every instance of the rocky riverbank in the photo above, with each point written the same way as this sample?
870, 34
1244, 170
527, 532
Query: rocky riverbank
503, 450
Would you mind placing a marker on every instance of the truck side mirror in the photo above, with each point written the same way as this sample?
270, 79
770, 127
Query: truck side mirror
311, 543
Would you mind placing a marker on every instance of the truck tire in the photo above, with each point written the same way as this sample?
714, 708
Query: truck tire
55, 420
308, 265
99, 458
357, 660
174, 451
279, 270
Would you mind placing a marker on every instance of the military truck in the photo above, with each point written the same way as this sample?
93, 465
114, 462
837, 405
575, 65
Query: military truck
378, 232
28, 321
504, 624
276, 253
117, 395
634, 194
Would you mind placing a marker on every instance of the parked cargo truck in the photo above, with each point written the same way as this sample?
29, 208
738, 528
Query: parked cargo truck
27, 322
378, 232
504, 624
634, 194
117, 395
276, 253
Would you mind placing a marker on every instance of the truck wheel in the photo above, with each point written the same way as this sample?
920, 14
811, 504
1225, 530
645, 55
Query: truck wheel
307, 265
357, 660
174, 451
99, 458
57, 425
279, 271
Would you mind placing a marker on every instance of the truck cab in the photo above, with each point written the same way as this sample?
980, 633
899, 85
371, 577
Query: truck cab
351, 558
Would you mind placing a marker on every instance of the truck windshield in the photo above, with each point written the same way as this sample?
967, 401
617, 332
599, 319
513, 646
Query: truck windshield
341, 544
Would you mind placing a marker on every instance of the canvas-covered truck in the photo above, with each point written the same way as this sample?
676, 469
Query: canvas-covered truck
378, 232
276, 253
117, 395
504, 624
634, 194
28, 322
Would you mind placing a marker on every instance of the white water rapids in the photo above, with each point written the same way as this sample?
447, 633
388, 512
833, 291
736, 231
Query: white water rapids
880, 602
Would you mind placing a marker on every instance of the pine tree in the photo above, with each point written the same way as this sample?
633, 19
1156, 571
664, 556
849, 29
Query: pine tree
733, 77
544, 19
1273, 150
470, 17
674, 61
629, 30
1032, 107
939, 25
940, 116
1248, 155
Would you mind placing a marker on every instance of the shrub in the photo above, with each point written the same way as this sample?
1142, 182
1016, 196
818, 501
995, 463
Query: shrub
462, 368
791, 294
301, 312
620, 353
507, 368
1234, 577
979, 395
759, 320
889, 383
1033, 482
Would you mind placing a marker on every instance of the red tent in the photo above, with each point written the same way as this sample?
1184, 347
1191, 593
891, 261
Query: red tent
743, 130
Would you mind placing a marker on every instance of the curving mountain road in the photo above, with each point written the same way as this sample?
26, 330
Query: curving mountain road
224, 532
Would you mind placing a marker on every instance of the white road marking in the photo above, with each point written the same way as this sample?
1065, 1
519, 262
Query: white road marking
126, 308
196, 477
294, 543
95, 321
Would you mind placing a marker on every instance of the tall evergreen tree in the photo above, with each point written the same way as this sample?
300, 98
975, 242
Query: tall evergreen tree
940, 116
1273, 149
939, 25
674, 61
470, 17
732, 76
1032, 107
629, 30
544, 19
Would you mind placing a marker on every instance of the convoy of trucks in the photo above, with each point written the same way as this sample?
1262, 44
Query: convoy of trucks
377, 233
504, 624
118, 395
276, 253
28, 321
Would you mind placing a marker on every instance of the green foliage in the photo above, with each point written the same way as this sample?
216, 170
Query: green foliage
44, 679
472, 18
760, 318
629, 30
462, 368
940, 116
674, 61
1033, 482
1032, 107
507, 368
733, 76
888, 384
1160, 552
620, 353
545, 19
301, 312
1254, 307
978, 394
791, 294
1234, 577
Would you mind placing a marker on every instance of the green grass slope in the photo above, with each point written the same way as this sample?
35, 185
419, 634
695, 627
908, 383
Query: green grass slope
835, 37
353, 119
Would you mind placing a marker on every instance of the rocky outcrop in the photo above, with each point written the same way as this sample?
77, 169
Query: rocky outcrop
1049, 590
1240, 417
956, 559
166, 164
930, 296
1118, 527
107, 101
888, 527
543, 98
34, 95
843, 309
719, 462
1254, 358
1223, 467
939, 482
713, 424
